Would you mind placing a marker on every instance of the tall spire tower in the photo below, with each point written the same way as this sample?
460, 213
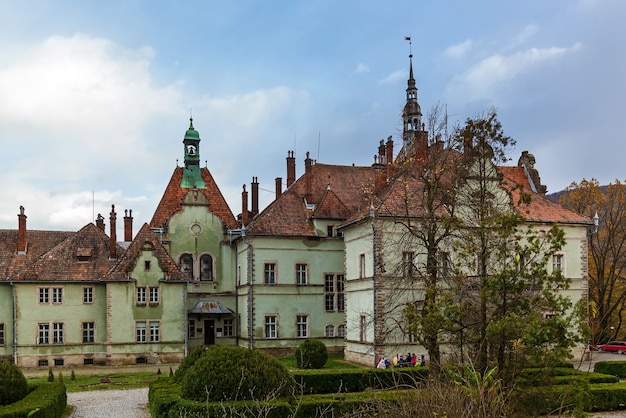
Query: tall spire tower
192, 176
412, 113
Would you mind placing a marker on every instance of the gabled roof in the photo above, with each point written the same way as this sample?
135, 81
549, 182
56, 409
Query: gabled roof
38, 242
82, 257
331, 207
540, 208
145, 239
289, 215
171, 202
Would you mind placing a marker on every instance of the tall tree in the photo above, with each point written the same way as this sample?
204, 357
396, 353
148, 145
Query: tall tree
607, 254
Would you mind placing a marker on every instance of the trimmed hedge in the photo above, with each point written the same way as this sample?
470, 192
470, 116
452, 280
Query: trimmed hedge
615, 368
47, 400
13, 386
358, 380
311, 354
561, 376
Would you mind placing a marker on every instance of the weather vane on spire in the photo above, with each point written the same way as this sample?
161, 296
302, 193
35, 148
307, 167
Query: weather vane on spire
408, 38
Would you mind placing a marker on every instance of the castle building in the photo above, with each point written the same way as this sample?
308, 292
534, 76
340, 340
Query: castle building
309, 265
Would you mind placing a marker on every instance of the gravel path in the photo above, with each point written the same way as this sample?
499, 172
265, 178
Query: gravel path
130, 403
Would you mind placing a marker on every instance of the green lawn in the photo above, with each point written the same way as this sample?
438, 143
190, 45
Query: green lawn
86, 382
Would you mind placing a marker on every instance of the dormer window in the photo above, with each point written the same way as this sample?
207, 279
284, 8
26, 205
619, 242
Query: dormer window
83, 255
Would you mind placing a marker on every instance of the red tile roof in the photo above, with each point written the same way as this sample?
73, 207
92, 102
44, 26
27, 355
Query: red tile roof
171, 202
289, 216
62, 262
38, 242
145, 238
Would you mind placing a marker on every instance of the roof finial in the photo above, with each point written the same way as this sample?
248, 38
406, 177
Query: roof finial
408, 38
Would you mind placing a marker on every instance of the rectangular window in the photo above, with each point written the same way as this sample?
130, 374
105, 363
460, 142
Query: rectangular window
154, 295
302, 326
361, 266
155, 331
44, 334
146, 265
407, 263
271, 324
270, 273
443, 263
44, 295
87, 294
57, 295
228, 328
333, 292
301, 274
191, 328
140, 332
89, 332
57, 333
557, 262
141, 295
2, 334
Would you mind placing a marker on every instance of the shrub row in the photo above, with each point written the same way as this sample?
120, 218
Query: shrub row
616, 368
358, 380
47, 400
562, 376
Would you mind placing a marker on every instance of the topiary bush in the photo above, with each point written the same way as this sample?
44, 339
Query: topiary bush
311, 354
13, 386
224, 373
187, 362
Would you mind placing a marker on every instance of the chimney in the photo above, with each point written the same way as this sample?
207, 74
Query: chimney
421, 147
381, 152
255, 196
113, 236
389, 149
244, 207
128, 225
279, 186
308, 163
291, 168
100, 222
21, 232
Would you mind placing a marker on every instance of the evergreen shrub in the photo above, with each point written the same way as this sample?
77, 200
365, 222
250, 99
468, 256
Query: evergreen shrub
311, 354
616, 368
187, 362
13, 386
224, 373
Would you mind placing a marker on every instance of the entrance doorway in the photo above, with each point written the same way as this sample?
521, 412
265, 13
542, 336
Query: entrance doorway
209, 332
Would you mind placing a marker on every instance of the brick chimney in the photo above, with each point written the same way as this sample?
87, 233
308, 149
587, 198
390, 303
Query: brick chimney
308, 163
21, 232
279, 186
255, 196
291, 168
113, 236
382, 154
100, 222
128, 225
244, 207
421, 147
389, 150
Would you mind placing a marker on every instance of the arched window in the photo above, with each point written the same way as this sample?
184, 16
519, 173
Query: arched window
206, 267
186, 264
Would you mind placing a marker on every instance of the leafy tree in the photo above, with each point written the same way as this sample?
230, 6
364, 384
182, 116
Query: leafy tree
607, 253
509, 307
13, 386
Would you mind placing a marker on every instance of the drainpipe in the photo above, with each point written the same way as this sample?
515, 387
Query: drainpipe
186, 322
14, 294
250, 299
374, 312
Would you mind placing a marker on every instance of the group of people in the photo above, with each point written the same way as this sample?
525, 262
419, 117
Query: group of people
411, 360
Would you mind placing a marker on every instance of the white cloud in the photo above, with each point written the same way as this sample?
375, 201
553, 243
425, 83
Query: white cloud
361, 68
482, 80
459, 50
394, 77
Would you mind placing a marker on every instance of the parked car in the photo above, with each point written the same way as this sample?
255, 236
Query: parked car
618, 347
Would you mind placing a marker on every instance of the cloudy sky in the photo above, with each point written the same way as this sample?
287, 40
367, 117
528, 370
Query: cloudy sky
95, 96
